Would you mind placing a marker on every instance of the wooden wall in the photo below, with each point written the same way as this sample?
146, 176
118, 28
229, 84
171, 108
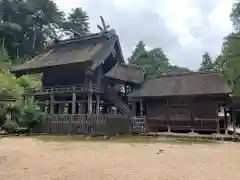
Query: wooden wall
60, 76
182, 113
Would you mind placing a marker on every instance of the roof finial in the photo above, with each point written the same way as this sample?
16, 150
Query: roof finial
104, 27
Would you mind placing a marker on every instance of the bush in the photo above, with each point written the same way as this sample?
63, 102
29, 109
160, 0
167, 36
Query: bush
24, 116
31, 116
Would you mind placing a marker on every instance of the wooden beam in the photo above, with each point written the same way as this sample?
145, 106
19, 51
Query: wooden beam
141, 108
234, 123
225, 121
73, 103
168, 115
98, 104
218, 125
51, 103
90, 97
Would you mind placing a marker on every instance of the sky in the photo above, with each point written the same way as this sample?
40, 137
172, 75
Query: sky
184, 29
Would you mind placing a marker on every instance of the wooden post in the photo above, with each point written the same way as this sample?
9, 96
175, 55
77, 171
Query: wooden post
141, 108
98, 104
218, 125
125, 89
90, 97
225, 121
234, 123
168, 116
51, 103
74, 103
33, 99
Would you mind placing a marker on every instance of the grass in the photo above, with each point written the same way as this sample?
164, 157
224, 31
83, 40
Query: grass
120, 139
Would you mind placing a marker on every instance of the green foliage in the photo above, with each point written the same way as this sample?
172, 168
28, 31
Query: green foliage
138, 51
27, 25
30, 116
228, 62
177, 69
22, 115
154, 62
207, 64
77, 20
235, 15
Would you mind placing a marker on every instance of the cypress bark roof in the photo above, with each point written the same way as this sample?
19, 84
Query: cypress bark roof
92, 49
183, 84
126, 73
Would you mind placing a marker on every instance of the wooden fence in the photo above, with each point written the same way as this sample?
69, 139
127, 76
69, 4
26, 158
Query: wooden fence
139, 124
84, 124
161, 124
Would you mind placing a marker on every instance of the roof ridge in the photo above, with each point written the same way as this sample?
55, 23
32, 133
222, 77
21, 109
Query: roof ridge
131, 65
108, 33
187, 74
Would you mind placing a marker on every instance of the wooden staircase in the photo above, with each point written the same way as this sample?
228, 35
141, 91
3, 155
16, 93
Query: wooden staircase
116, 97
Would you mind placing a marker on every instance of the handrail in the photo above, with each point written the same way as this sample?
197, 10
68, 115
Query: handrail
77, 87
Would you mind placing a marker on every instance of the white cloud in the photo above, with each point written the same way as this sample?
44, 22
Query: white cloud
184, 29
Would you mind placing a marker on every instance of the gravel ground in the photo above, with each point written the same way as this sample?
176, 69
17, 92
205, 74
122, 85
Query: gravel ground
31, 159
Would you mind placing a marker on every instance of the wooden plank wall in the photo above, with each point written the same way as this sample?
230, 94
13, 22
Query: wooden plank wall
110, 124
182, 114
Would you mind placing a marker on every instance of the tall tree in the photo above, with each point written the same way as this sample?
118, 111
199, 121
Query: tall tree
207, 64
228, 61
235, 15
25, 26
140, 49
153, 62
78, 21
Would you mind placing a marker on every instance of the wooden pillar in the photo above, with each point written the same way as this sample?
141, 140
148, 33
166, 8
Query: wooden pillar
32, 99
51, 103
98, 104
218, 125
234, 123
125, 89
74, 103
90, 97
98, 101
168, 116
141, 108
225, 121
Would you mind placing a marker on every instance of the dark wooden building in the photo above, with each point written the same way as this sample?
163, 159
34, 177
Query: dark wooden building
84, 82
183, 102
87, 77
80, 74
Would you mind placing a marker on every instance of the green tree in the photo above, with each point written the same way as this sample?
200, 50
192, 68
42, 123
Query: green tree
207, 64
154, 62
228, 62
177, 69
77, 21
139, 50
25, 26
235, 15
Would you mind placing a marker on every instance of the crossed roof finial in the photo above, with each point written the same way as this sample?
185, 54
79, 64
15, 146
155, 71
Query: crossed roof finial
104, 27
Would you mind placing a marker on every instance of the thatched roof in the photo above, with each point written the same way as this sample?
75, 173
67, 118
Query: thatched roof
183, 84
92, 49
126, 73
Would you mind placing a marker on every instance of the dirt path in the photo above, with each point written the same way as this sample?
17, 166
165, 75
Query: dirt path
26, 158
